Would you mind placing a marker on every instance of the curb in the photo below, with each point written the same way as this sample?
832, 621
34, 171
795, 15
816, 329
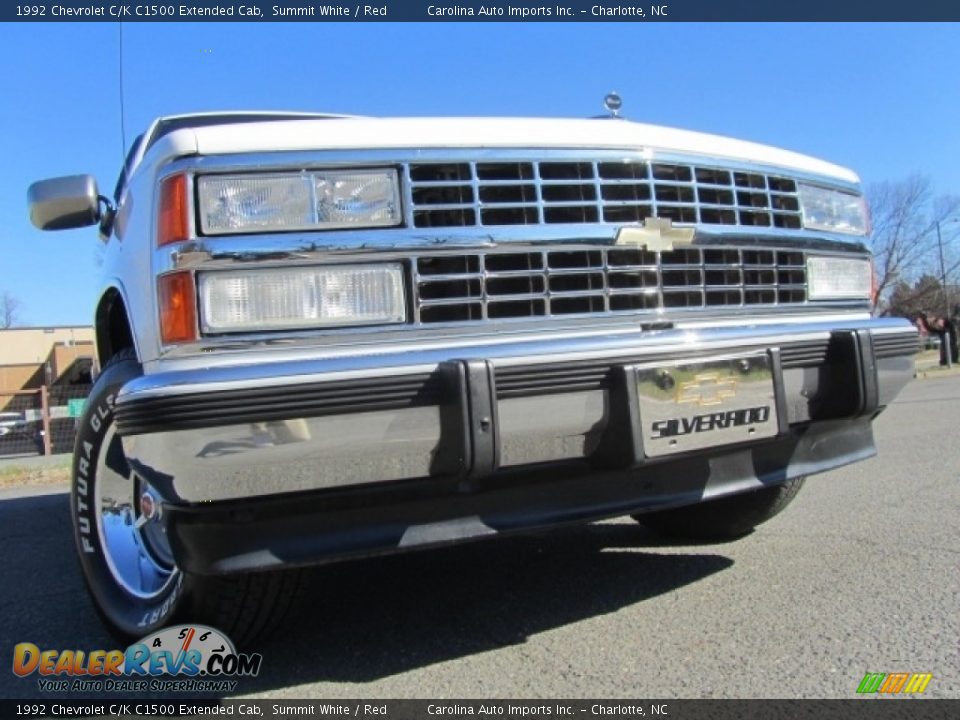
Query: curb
936, 372
35, 461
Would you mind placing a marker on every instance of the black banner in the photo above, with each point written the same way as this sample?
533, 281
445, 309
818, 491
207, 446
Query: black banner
863, 709
476, 11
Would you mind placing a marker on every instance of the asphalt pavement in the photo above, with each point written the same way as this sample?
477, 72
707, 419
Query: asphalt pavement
859, 575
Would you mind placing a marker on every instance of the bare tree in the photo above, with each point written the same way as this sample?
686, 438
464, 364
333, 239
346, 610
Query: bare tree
925, 296
905, 215
9, 310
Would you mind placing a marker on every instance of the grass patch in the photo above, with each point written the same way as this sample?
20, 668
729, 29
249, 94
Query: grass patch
928, 365
45, 475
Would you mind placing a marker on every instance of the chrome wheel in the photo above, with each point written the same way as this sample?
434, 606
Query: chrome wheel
132, 538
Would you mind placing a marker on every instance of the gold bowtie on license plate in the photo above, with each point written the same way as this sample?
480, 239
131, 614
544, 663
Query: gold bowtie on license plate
698, 404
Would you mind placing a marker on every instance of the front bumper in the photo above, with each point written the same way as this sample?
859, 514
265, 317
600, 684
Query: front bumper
260, 429
304, 460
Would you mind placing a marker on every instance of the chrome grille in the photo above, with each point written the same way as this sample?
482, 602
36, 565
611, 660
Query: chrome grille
457, 194
563, 281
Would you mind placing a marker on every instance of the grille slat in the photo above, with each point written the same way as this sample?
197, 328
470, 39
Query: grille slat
576, 192
564, 281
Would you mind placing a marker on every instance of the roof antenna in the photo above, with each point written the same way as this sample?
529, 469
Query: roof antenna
123, 131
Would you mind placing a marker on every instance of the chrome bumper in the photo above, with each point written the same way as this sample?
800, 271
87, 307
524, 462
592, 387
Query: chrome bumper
266, 428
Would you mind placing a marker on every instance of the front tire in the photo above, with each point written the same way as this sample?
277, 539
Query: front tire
726, 518
131, 572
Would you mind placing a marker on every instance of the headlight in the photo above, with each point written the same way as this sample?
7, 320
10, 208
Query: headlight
837, 278
833, 210
317, 200
275, 299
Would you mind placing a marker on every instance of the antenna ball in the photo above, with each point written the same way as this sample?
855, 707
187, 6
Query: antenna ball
612, 102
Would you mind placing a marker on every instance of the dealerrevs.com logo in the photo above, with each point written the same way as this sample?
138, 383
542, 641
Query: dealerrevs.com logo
185, 658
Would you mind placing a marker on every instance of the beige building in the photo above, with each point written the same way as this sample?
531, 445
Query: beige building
31, 357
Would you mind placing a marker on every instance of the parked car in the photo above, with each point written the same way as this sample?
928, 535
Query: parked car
328, 337
10, 422
16, 434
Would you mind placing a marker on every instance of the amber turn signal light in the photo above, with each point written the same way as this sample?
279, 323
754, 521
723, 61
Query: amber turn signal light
177, 298
174, 219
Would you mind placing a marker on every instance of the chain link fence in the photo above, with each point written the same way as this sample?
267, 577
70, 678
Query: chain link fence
42, 421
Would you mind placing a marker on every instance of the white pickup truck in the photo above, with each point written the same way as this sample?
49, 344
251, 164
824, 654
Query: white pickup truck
329, 337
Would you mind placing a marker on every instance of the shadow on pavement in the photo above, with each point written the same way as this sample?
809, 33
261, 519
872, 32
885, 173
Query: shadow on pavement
376, 618
369, 619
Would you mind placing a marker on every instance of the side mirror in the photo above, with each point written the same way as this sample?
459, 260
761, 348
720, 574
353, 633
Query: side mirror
65, 202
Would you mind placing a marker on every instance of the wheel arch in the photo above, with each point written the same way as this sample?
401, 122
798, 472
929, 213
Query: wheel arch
114, 331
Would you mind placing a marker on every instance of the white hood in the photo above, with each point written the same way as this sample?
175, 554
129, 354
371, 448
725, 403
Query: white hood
366, 133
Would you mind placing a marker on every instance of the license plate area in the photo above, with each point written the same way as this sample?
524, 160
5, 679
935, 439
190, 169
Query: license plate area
708, 402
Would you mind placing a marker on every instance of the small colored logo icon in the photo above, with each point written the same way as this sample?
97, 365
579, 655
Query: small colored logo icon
894, 683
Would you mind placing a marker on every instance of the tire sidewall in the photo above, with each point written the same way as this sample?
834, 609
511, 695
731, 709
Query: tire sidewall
128, 616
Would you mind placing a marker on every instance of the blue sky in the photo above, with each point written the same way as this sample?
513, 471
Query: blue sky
882, 99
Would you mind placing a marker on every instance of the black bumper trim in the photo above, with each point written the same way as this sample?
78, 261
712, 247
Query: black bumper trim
886, 346
229, 407
544, 378
470, 444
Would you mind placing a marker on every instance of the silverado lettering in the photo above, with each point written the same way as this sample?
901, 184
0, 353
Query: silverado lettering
710, 421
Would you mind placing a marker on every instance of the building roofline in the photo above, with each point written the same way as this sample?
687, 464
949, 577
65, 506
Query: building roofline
48, 327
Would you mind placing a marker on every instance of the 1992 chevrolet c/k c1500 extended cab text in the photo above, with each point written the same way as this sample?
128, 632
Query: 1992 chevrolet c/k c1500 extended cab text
328, 337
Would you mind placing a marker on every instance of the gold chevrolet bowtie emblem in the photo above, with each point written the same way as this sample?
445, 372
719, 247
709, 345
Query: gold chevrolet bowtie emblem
706, 389
656, 234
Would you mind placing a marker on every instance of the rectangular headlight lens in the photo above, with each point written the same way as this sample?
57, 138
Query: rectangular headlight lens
835, 278
833, 210
309, 297
318, 200
357, 198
